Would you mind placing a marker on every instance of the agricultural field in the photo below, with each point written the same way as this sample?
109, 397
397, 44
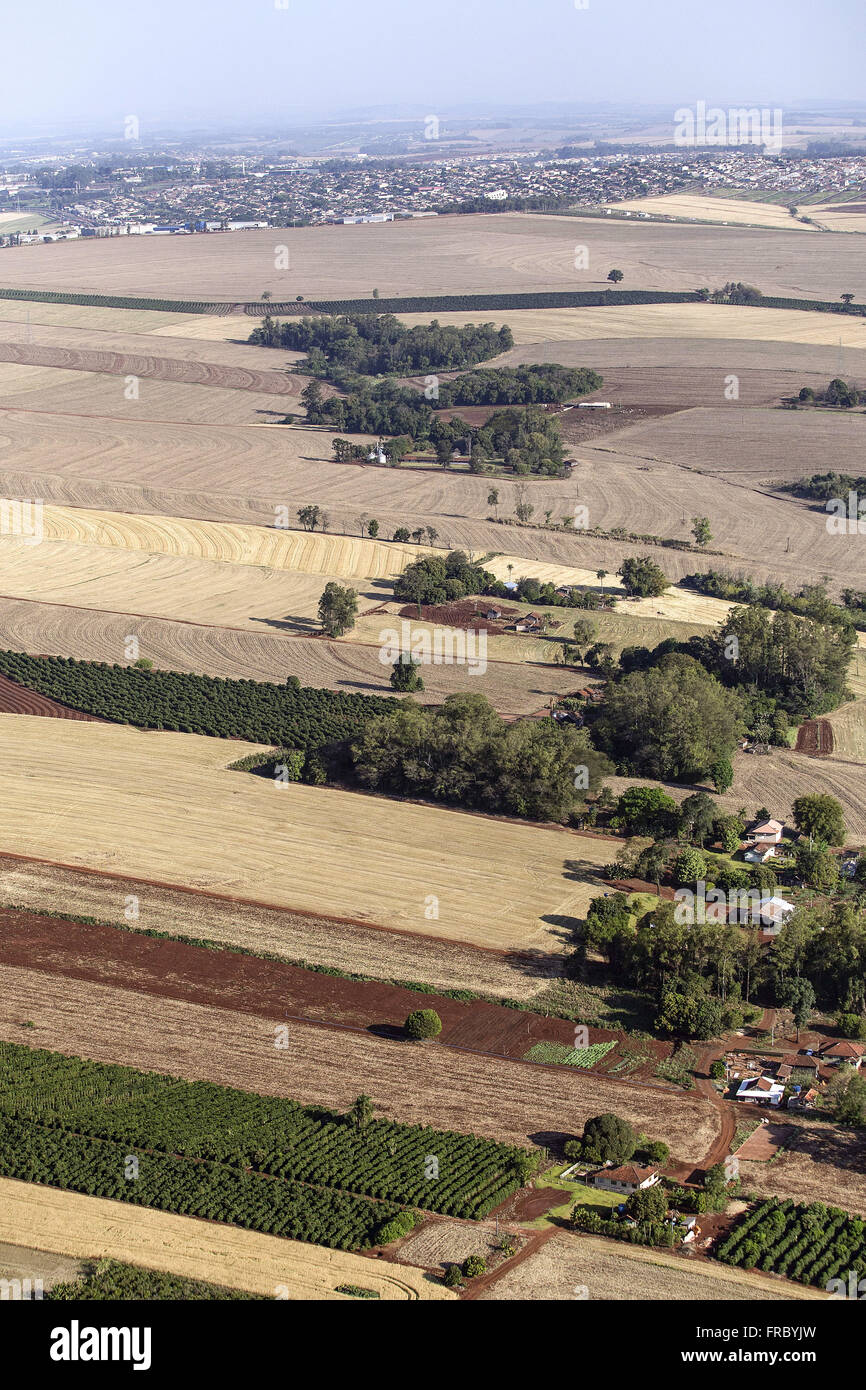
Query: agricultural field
349, 947
121, 801
819, 1162
625, 1273
512, 1102
91, 634
71, 1225
505, 252
695, 207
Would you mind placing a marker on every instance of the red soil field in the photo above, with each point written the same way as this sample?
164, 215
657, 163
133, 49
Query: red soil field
466, 613
17, 699
266, 988
815, 738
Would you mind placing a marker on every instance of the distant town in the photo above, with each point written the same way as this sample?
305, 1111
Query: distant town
104, 194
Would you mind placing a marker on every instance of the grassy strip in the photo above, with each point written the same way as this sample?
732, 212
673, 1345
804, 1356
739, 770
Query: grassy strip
112, 1280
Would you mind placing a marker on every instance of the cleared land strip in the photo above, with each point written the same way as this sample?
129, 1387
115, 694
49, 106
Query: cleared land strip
56, 629
626, 1273
424, 1084
69, 1223
325, 941
163, 806
178, 369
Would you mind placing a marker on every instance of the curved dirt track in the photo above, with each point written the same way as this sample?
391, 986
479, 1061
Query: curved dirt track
196, 373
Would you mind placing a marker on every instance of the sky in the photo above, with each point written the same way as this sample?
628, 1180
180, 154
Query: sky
250, 62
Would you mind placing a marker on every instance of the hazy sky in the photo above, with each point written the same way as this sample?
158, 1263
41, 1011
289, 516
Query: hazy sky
248, 60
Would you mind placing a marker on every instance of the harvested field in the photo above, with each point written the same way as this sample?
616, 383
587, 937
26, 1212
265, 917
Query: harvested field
179, 339
57, 630
440, 254
182, 587
278, 548
276, 932
72, 1225
626, 1273
670, 321
162, 806
699, 208
22, 1262
678, 373
28, 312
750, 446
175, 970
418, 1084
848, 726
820, 1163
441, 1243
60, 397
186, 371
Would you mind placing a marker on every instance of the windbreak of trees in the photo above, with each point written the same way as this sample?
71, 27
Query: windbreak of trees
379, 344
528, 385
464, 754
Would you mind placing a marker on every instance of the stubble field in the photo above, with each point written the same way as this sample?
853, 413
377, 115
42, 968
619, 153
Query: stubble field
503, 252
514, 1102
68, 1223
163, 806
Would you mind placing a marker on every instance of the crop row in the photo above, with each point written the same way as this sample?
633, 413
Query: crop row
409, 1164
262, 712
116, 301
810, 1244
79, 1163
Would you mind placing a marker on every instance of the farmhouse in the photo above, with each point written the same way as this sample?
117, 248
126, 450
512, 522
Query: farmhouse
774, 913
761, 1090
838, 1052
803, 1100
627, 1179
760, 854
768, 832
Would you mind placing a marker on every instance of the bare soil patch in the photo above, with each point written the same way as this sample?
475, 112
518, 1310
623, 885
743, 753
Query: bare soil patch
17, 699
418, 1084
815, 738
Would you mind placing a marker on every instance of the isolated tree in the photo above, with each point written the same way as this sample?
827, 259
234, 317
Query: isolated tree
847, 299
608, 1137
373, 528
697, 817
402, 534
360, 1112
615, 276
423, 1023
701, 530
493, 500
585, 631
819, 816
432, 535
338, 608
309, 517
266, 294
405, 675
642, 577
601, 576
361, 521
722, 774
798, 995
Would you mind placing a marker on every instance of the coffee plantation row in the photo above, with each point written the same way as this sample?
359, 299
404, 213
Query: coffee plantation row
811, 1244
117, 301
293, 716
457, 1174
100, 1168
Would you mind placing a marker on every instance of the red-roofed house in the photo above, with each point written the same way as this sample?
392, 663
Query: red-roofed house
844, 1051
628, 1178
